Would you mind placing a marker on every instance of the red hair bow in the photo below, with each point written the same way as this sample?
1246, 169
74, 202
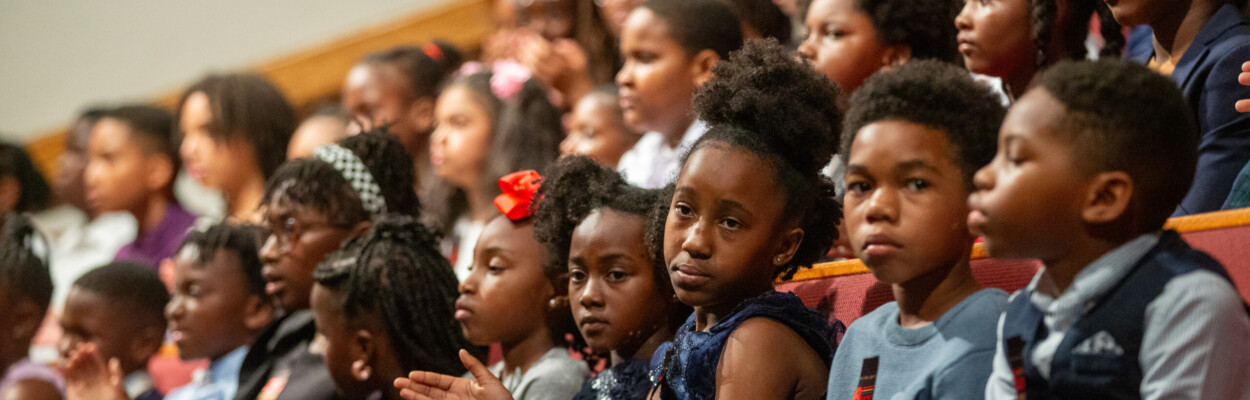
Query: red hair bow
518, 194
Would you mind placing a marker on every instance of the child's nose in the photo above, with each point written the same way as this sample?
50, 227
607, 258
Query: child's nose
696, 241
983, 179
882, 206
592, 294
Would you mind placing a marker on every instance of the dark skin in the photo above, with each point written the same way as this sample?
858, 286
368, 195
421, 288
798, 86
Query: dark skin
659, 77
89, 317
618, 304
299, 238
69, 184
31, 389
125, 174
1175, 23
723, 241
211, 312
504, 299
906, 212
359, 352
21, 318
1074, 215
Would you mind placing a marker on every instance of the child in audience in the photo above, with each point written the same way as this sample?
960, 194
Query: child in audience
114, 313
849, 40
1090, 164
566, 44
234, 130
749, 206
218, 306
384, 305
762, 19
914, 136
511, 298
328, 125
597, 128
1015, 39
1200, 44
311, 207
670, 47
397, 88
131, 167
489, 124
594, 225
25, 291
22, 187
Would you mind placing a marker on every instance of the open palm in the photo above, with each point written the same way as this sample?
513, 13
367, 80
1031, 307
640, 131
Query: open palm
421, 385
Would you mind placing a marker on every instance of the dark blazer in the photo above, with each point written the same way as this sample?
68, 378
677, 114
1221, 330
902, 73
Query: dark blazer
280, 356
1207, 74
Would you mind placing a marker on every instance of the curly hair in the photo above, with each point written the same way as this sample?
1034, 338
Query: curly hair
396, 275
244, 241
23, 271
761, 100
391, 167
249, 108
315, 185
1043, 19
526, 134
924, 26
1123, 116
131, 287
937, 95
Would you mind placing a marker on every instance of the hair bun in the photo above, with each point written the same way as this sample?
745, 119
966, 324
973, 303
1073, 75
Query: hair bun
764, 89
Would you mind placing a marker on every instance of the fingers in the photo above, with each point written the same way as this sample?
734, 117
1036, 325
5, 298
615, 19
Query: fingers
1244, 78
1243, 105
479, 371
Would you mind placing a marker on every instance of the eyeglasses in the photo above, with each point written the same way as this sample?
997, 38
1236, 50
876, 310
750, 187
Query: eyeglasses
288, 231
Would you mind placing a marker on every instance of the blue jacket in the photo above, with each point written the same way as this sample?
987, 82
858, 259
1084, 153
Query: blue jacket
1207, 74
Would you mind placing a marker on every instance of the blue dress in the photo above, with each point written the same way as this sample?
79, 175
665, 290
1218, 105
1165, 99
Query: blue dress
629, 380
685, 369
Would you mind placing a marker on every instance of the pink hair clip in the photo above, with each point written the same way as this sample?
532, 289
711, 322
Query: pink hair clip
507, 79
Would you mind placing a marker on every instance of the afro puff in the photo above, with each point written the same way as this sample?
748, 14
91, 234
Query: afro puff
761, 100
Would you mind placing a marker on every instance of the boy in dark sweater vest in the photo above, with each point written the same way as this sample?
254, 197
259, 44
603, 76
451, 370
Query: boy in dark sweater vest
1090, 164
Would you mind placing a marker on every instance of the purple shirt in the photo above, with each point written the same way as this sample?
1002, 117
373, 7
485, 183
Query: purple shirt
24, 369
160, 243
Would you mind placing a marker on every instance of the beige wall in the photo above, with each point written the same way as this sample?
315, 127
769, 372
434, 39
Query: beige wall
59, 56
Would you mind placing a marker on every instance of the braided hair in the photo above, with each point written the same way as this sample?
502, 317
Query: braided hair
765, 102
1043, 16
396, 274
23, 270
391, 167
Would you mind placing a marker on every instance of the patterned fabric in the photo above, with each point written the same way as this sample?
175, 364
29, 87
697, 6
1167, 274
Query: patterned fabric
685, 368
356, 173
629, 380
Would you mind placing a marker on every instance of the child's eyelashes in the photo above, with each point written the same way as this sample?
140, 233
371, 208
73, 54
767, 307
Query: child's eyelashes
857, 187
683, 210
732, 224
917, 184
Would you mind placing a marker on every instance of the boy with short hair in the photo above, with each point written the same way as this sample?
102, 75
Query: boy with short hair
218, 306
1090, 164
914, 137
132, 165
119, 311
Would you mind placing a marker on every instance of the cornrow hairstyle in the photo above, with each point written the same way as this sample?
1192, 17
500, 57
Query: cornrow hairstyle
249, 108
244, 241
391, 167
1043, 15
765, 102
36, 195
23, 271
700, 24
132, 287
936, 95
576, 186
1121, 116
766, 18
526, 134
315, 185
424, 73
924, 26
152, 128
396, 274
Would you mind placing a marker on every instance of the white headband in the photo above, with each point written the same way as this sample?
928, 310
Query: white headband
356, 174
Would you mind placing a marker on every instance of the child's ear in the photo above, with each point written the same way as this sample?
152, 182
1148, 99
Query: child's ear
421, 112
896, 55
160, 172
362, 349
258, 314
10, 193
27, 318
145, 344
788, 245
1109, 196
361, 228
701, 66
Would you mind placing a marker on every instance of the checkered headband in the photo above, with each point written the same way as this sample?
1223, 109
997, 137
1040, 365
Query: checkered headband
356, 173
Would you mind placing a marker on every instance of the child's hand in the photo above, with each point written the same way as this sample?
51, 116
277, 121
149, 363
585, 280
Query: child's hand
87, 378
421, 385
1243, 105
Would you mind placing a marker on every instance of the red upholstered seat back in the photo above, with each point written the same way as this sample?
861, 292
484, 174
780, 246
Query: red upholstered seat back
846, 290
